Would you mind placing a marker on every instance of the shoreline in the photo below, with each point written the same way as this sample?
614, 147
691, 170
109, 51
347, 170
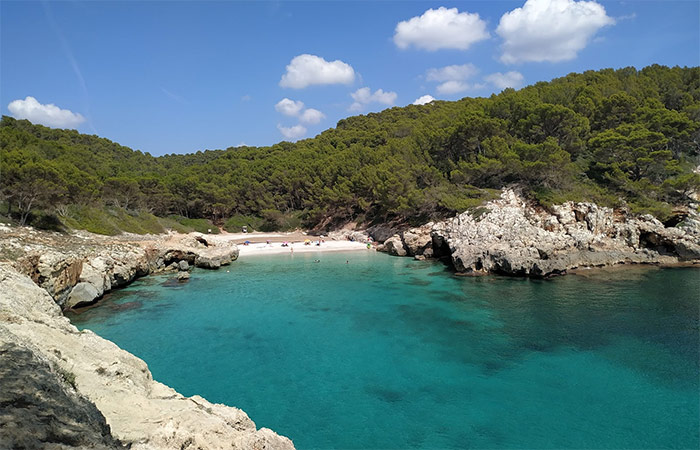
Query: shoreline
299, 247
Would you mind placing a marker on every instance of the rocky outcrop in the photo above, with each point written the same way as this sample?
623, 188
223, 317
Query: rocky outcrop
349, 235
141, 412
40, 408
79, 275
416, 242
512, 236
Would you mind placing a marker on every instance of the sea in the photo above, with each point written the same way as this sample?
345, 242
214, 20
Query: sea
361, 350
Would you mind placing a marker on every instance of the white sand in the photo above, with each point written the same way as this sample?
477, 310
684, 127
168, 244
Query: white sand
299, 247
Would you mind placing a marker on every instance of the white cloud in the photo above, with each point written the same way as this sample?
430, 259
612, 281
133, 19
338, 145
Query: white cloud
510, 79
294, 132
246, 98
294, 108
424, 99
289, 107
364, 96
550, 30
306, 70
452, 73
453, 78
441, 28
312, 116
453, 87
49, 115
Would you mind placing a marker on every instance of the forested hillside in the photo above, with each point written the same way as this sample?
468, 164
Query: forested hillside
627, 138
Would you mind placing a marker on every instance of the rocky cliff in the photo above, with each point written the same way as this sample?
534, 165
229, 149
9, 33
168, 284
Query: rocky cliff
77, 270
515, 237
92, 393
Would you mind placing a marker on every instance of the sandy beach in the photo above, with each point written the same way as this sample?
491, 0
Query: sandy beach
271, 243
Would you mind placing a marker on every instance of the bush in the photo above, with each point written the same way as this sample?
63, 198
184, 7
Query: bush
236, 223
199, 225
111, 221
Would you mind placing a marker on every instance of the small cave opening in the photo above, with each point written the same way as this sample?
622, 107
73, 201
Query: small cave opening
659, 244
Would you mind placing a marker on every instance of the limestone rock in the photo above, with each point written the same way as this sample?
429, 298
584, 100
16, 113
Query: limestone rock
516, 237
82, 294
418, 240
215, 257
141, 412
42, 410
394, 246
183, 265
57, 274
183, 276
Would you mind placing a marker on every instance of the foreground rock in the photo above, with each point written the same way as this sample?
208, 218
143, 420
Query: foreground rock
512, 236
141, 412
41, 409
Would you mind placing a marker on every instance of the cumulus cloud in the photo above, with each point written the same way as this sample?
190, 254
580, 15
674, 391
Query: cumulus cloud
453, 78
365, 96
424, 99
306, 70
312, 116
49, 115
550, 30
441, 28
292, 108
510, 79
289, 107
452, 73
453, 87
294, 132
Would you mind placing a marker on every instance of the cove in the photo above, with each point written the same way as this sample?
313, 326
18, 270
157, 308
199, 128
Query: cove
364, 350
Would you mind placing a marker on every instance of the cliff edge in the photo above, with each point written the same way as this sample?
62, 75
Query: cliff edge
78, 370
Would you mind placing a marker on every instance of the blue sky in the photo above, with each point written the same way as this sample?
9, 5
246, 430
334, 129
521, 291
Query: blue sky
177, 77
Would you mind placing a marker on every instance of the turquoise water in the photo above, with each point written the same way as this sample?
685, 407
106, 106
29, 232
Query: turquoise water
384, 352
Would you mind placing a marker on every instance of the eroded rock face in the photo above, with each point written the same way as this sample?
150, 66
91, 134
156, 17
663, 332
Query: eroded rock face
516, 238
394, 246
140, 411
40, 409
80, 276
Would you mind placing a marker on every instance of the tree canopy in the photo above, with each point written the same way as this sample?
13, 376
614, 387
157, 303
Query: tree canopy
619, 137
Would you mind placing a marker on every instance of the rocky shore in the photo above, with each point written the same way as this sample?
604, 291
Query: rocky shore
512, 236
82, 391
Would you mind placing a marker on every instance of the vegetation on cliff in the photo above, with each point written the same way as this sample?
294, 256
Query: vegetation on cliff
617, 137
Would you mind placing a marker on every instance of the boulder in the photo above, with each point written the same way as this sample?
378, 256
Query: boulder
394, 246
183, 276
82, 294
417, 240
215, 257
183, 265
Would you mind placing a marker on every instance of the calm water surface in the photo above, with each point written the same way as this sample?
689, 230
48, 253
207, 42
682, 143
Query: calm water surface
384, 352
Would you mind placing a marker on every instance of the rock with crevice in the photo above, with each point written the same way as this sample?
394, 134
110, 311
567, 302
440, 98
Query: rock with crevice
41, 409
